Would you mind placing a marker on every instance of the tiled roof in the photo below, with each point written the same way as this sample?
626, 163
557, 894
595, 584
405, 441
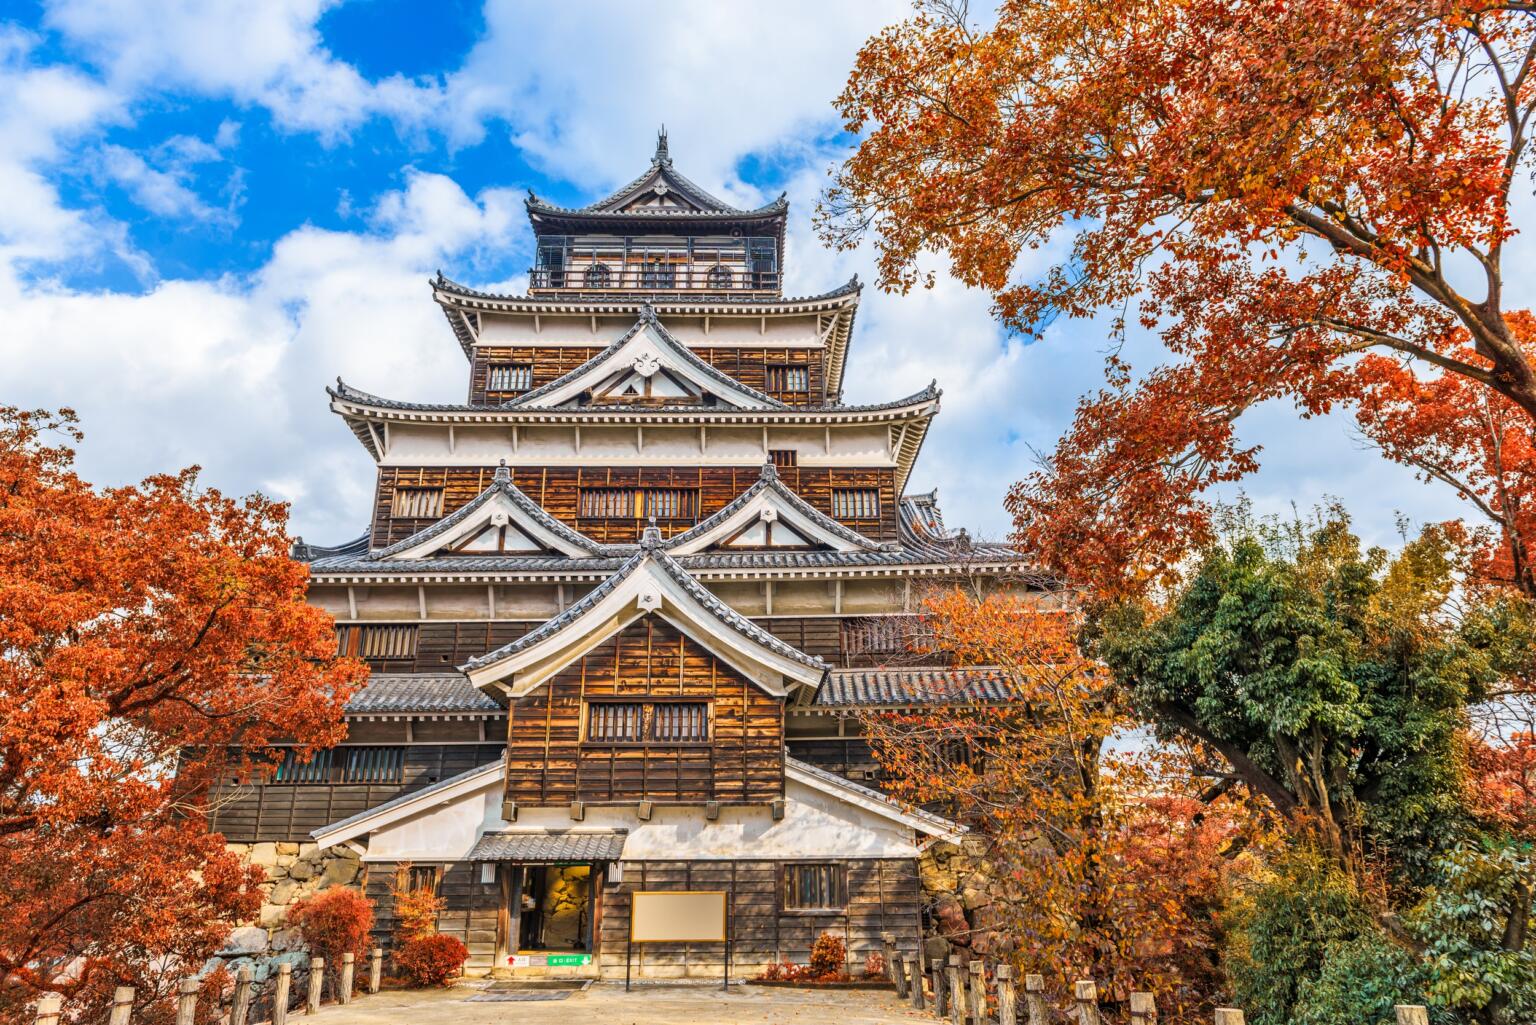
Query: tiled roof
647, 319
911, 685
650, 550
560, 845
660, 172
346, 392
404, 799
769, 480
441, 692
309, 553
501, 483
934, 824
623, 304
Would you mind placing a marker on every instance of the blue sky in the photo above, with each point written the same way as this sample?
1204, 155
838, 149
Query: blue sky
213, 209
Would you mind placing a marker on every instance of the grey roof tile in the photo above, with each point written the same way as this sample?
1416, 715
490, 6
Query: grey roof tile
438, 692
909, 686
557, 845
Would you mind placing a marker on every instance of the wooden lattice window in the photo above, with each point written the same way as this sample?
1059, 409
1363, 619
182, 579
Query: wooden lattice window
376, 642
597, 276
856, 503
885, 635
639, 503
720, 276
411, 878
783, 456
509, 377
616, 722
343, 765
680, 722
417, 503
789, 377
816, 886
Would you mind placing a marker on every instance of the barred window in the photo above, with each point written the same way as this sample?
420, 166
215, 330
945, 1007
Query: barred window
639, 503
616, 722
419, 877
885, 635
509, 377
856, 503
818, 886
376, 642
343, 765
789, 377
783, 456
720, 276
417, 503
680, 722
597, 276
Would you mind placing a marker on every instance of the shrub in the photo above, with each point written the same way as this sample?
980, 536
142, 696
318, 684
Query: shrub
829, 956
874, 965
431, 960
334, 922
416, 913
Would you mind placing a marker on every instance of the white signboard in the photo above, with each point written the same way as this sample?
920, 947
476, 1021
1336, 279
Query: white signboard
677, 916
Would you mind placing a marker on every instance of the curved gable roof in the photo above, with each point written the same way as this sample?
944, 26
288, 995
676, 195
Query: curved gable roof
741, 510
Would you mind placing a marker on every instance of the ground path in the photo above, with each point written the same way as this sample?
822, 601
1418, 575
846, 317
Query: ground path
479, 1003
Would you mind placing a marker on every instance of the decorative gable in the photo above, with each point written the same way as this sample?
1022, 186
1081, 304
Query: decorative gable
646, 366
500, 521
769, 516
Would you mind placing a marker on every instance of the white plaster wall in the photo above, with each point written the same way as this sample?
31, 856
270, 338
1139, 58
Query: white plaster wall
576, 330
815, 825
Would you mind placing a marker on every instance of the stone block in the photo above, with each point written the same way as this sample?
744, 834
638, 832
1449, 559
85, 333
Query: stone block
272, 916
264, 854
302, 870
340, 872
287, 847
283, 892
285, 940
247, 939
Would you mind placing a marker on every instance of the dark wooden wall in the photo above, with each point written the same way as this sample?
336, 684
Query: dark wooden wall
557, 489
548, 764
290, 811
470, 907
883, 896
749, 366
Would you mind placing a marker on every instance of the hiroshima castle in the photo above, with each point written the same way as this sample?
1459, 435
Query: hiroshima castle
624, 606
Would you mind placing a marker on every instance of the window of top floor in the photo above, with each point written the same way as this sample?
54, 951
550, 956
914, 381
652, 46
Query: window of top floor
710, 263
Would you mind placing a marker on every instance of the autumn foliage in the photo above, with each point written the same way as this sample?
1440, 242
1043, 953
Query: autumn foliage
144, 631
431, 960
334, 922
1307, 201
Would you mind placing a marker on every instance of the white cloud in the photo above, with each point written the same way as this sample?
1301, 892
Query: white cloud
266, 52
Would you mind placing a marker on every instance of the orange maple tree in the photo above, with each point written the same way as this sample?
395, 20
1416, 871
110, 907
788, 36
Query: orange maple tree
1276, 189
1107, 860
145, 632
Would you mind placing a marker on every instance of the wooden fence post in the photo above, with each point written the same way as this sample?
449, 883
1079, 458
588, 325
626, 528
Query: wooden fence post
956, 991
348, 966
940, 990
1086, 993
122, 1006
899, 975
375, 969
49, 1007
240, 1006
1034, 999
1412, 1014
917, 983
978, 993
1229, 1016
1143, 1009
888, 953
186, 1002
316, 980
1007, 1008
280, 994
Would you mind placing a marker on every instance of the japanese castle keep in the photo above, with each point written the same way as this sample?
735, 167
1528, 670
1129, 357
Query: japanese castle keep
622, 607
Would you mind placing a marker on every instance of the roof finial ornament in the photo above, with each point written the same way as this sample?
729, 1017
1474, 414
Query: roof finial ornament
503, 475
648, 312
770, 472
662, 155
650, 537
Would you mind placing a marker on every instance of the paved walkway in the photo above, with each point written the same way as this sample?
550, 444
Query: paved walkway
607, 1004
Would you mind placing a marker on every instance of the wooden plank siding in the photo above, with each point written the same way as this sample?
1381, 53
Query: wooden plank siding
557, 489
749, 366
285, 811
883, 896
470, 907
548, 762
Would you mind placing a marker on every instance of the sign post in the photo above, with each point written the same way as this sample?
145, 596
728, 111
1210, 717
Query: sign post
679, 916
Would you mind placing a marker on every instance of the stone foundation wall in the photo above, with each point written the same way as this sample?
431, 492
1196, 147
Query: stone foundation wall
965, 899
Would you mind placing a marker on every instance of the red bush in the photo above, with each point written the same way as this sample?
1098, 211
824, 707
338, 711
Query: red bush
431, 960
874, 965
334, 922
829, 956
